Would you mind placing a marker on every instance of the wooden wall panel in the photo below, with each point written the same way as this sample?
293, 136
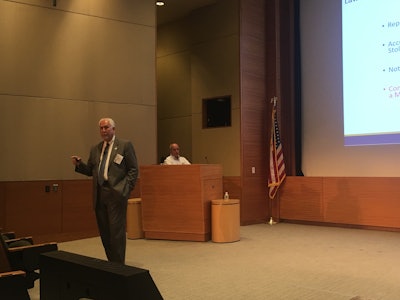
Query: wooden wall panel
63, 213
300, 198
253, 106
266, 70
232, 185
369, 201
256, 207
2, 205
349, 201
30, 210
78, 214
66, 214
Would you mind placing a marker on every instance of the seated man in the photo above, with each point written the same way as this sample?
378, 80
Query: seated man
174, 158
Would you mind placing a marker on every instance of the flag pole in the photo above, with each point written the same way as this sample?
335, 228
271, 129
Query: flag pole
277, 171
271, 220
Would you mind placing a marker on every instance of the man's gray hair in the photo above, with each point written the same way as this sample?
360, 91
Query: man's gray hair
109, 120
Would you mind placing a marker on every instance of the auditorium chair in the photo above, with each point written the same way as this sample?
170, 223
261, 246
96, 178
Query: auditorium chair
12, 241
22, 254
12, 283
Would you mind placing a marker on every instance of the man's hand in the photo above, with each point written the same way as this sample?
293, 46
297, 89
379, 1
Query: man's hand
76, 160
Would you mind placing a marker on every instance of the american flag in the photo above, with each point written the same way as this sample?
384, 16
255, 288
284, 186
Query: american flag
277, 171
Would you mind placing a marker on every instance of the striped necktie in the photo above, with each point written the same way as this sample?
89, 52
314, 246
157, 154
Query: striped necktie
100, 178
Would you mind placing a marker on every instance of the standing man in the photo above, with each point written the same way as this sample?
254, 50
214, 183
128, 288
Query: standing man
113, 165
174, 158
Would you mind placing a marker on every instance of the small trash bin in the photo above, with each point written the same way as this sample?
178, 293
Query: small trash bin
134, 226
225, 220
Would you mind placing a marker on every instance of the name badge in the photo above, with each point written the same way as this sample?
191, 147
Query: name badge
118, 159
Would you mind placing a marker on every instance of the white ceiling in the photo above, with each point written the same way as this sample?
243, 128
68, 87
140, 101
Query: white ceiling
175, 9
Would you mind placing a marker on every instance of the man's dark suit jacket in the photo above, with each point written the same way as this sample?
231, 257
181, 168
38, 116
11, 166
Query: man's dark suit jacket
121, 176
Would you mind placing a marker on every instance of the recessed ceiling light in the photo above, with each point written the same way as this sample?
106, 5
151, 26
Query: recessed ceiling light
160, 3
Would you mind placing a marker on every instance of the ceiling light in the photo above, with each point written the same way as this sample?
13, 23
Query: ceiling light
160, 3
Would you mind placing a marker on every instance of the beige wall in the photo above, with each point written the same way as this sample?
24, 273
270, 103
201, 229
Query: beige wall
198, 58
64, 67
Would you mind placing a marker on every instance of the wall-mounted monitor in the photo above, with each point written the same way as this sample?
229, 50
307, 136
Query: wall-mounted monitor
217, 112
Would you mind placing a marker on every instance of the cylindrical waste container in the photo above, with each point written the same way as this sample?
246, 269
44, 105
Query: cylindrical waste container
225, 220
134, 226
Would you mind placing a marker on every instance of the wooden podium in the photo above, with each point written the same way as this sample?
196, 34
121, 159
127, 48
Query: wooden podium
176, 200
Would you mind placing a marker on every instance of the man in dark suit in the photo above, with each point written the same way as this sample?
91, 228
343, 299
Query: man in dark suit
113, 165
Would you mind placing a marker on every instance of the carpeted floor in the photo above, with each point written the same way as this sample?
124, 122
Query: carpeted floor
282, 261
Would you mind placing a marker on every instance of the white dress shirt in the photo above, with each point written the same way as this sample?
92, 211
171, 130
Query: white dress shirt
172, 160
